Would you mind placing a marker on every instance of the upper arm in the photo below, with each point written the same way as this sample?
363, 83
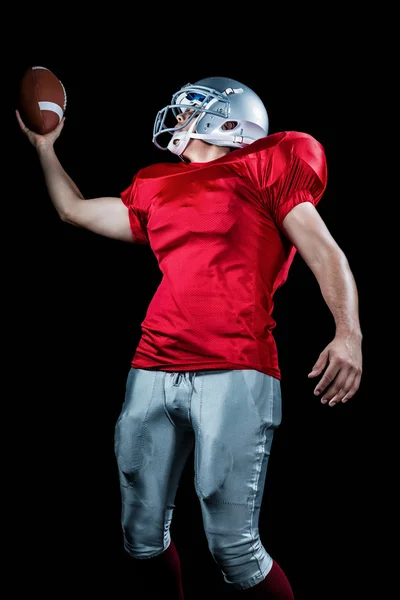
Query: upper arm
106, 216
308, 233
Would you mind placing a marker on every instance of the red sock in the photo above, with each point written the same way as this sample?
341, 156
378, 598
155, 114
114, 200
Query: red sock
275, 586
162, 572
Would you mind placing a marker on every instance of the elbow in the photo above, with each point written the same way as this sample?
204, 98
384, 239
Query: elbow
69, 208
66, 217
337, 256
327, 257
63, 216
68, 214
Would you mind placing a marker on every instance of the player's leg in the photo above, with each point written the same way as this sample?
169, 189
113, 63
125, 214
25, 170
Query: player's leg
234, 415
151, 453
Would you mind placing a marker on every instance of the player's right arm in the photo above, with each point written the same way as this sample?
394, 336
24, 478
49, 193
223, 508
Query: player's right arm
106, 216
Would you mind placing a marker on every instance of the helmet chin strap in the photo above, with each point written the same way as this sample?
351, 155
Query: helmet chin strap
179, 141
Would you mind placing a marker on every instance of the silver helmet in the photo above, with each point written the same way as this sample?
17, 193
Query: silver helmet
214, 102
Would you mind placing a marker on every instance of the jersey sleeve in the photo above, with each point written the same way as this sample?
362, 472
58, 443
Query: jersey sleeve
303, 176
137, 216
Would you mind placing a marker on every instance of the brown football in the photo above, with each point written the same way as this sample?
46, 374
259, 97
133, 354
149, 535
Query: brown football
42, 99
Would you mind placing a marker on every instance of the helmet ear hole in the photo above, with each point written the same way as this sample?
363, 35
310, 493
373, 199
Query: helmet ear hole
229, 125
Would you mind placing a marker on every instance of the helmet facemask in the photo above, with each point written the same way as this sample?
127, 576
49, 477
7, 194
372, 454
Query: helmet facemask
201, 101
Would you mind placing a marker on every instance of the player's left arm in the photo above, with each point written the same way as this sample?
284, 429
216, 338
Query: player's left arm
342, 358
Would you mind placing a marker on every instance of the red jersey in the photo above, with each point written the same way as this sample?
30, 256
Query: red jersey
216, 231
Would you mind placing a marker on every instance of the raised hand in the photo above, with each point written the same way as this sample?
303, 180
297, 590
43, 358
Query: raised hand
37, 139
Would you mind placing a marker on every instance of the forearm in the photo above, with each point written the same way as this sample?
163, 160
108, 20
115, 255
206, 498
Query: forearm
339, 291
62, 190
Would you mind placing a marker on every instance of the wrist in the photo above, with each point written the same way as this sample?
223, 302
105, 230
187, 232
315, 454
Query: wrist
349, 330
44, 147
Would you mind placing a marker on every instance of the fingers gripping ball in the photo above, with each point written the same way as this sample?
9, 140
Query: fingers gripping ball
42, 99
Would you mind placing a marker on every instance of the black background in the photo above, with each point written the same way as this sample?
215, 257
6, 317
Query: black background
76, 301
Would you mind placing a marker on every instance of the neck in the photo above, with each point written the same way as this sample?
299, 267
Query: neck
199, 151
